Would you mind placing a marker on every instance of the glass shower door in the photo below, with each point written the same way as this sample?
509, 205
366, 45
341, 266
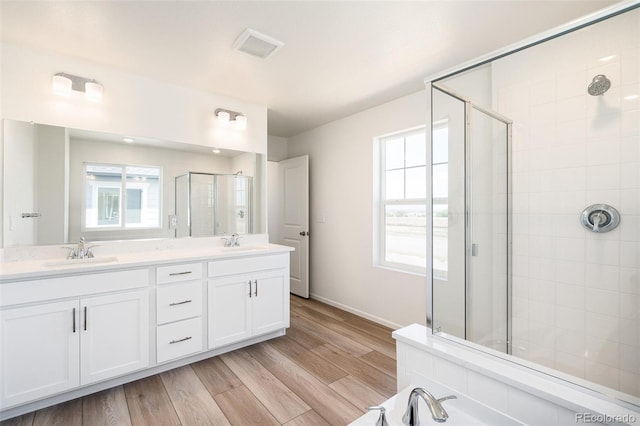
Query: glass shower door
471, 297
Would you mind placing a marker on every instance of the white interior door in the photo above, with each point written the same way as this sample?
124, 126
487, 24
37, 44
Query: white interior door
293, 187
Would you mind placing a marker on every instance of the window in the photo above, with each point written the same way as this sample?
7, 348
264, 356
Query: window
403, 201
440, 182
122, 197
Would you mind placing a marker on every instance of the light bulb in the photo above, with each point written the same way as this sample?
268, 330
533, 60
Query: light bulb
93, 91
61, 85
241, 122
223, 117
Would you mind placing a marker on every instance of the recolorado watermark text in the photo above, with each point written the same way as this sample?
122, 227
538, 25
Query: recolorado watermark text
605, 418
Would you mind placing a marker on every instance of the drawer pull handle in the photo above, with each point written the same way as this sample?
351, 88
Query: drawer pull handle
173, 274
74, 320
85, 318
179, 303
180, 340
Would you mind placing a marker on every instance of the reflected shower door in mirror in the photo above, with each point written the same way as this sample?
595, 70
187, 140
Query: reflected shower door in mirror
199, 198
470, 238
76, 183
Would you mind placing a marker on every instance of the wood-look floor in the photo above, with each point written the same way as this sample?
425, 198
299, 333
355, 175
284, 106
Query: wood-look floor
326, 370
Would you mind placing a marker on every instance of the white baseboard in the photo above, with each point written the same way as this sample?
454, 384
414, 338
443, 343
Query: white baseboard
355, 311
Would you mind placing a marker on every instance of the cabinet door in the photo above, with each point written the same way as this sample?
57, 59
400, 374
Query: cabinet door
270, 310
39, 351
229, 314
114, 335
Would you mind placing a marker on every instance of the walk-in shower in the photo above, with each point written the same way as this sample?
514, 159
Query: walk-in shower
536, 205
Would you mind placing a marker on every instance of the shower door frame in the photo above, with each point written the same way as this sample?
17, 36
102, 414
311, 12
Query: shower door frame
469, 106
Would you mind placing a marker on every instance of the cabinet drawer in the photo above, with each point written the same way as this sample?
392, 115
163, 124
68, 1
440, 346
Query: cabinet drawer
47, 289
178, 273
179, 339
243, 265
178, 302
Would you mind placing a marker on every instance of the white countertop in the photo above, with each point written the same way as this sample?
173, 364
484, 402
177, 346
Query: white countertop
113, 260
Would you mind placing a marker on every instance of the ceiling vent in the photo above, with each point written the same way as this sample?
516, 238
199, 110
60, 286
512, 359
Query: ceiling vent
257, 44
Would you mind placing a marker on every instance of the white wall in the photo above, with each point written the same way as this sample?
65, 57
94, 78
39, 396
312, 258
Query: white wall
274, 209
342, 210
131, 104
277, 148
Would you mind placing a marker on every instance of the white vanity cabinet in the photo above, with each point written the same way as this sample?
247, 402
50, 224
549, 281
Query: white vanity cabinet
114, 335
39, 351
69, 329
49, 347
179, 302
247, 297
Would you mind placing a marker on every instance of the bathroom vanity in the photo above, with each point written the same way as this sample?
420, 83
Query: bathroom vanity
73, 327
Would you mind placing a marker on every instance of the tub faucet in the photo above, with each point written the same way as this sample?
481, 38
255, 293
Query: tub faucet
382, 419
438, 413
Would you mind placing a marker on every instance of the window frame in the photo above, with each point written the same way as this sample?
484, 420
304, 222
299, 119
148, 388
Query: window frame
383, 203
439, 274
122, 227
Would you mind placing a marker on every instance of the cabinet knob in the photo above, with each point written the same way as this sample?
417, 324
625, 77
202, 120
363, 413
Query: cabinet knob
304, 233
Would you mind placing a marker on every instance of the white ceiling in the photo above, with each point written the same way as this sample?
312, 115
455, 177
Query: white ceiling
339, 57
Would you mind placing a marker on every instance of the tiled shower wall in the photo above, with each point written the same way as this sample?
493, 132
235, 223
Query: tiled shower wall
576, 294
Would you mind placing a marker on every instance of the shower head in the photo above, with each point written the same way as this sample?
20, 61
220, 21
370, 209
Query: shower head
599, 85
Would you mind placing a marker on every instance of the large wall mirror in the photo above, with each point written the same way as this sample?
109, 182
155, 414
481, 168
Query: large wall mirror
521, 146
61, 184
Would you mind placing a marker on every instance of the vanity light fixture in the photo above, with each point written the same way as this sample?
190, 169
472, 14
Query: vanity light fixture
230, 118
64, 83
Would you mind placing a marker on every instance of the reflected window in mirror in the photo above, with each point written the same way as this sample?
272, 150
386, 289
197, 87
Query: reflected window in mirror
440, 182
403, 201
122, 196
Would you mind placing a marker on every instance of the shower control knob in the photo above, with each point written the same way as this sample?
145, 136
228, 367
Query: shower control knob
600, 218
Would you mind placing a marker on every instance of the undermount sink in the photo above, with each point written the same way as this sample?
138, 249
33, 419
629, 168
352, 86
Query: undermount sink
85, 261
241, 248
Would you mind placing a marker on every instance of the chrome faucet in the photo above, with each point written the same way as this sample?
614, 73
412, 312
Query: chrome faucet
232, 241
80, 252
382, 419
438, 413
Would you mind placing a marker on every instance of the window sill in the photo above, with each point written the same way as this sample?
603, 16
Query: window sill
400, 270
